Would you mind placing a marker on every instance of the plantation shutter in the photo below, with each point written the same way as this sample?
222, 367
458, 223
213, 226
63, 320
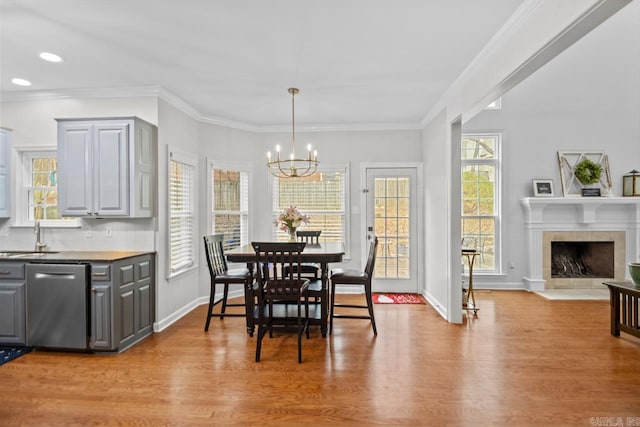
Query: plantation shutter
321, 196
230, 210
181, 214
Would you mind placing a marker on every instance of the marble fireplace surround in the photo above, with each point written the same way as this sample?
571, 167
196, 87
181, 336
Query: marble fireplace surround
549, 219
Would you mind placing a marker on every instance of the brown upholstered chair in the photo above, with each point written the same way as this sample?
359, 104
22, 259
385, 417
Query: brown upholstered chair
355, 277
281, 291
220, 274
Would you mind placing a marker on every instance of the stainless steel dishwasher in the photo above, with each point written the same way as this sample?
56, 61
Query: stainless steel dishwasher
58, 306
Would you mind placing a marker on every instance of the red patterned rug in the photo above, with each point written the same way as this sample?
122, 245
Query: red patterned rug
397, 299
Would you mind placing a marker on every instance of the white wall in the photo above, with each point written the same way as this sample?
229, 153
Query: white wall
33, 125
437, 172
538, 31
587, 98
355, 147
179, 295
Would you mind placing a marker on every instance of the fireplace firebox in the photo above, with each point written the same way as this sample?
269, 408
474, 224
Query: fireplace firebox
582, 259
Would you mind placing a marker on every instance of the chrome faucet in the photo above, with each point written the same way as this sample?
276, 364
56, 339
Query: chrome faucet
38, 232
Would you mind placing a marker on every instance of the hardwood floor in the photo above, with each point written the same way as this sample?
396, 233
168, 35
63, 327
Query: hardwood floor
524, 361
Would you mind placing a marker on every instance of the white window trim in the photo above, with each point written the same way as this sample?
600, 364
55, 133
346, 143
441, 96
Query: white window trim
232, 166
498, 271
344, 167
21, 198
497, 104
192, 160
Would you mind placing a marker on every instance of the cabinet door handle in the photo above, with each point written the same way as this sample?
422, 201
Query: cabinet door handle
4, 272
99, 274
94, 290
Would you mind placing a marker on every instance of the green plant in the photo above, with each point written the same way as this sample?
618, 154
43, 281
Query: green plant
587, 171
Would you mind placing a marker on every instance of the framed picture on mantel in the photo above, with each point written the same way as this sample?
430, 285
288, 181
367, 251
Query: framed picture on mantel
542, 187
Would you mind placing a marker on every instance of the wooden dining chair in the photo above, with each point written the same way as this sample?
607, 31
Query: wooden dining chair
359, 278
311, 237
282, 297
310, 270
221, 274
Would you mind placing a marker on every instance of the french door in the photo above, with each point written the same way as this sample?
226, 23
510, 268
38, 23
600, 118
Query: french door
391, 215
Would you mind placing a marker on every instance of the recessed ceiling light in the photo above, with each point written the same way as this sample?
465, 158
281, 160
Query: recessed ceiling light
20, 82
51, 57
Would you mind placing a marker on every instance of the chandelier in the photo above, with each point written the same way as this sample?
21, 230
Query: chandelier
293, 167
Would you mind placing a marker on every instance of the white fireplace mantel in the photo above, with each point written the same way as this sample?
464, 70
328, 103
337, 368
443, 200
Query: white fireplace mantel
576, 214
585, 207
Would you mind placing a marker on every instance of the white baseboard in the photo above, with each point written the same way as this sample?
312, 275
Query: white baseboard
162, 324
436, 305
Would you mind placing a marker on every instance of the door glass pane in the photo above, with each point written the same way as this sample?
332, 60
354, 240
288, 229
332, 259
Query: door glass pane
391, 225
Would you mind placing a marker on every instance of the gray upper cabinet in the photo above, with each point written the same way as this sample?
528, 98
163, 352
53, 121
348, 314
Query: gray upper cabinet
5, 162
106, 167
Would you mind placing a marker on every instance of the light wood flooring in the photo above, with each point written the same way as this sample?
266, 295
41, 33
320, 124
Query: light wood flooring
523, 361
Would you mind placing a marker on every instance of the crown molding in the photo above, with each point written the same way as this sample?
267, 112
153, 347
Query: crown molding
185, 107
345, 127
47, 95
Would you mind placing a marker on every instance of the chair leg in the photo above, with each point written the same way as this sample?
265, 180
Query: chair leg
367, 290
300, 331
261, 333
332, 298
211, 301
249, 306
225, 294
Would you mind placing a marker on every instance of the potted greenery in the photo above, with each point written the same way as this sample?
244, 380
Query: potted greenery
588, 173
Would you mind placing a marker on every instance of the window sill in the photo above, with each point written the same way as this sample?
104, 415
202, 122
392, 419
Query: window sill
493, 274
177, 274
74, 223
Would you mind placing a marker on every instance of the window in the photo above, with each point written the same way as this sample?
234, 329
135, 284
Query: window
230, 205
38, 195
322, 196
480, 197
495, 105
182, 187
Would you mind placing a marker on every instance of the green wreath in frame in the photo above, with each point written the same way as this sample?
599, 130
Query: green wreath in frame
588, 171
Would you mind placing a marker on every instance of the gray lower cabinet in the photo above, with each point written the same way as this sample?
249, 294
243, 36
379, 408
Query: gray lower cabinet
122, 302
13, 316
101, 307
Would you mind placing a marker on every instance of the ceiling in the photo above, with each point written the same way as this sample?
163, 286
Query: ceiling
357, 63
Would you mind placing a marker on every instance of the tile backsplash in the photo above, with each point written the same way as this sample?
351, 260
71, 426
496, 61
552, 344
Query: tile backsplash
94, 234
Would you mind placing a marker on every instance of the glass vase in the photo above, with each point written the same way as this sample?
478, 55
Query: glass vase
292, 235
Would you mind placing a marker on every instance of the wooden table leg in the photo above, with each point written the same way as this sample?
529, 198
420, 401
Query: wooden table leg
249, 302
615, 311
324, 303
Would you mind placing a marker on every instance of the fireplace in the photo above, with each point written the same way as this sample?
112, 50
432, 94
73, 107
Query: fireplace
578, 243
582, 259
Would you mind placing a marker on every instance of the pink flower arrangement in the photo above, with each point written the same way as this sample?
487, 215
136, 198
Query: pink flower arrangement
290, 219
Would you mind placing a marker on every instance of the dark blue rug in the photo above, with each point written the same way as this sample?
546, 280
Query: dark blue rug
8, 353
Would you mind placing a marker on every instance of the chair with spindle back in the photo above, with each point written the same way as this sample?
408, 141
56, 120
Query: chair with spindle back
221, 274
310, 270
355, 277
282, 296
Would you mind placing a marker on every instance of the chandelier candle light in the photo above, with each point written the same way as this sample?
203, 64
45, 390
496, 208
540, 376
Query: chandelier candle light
293, 167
